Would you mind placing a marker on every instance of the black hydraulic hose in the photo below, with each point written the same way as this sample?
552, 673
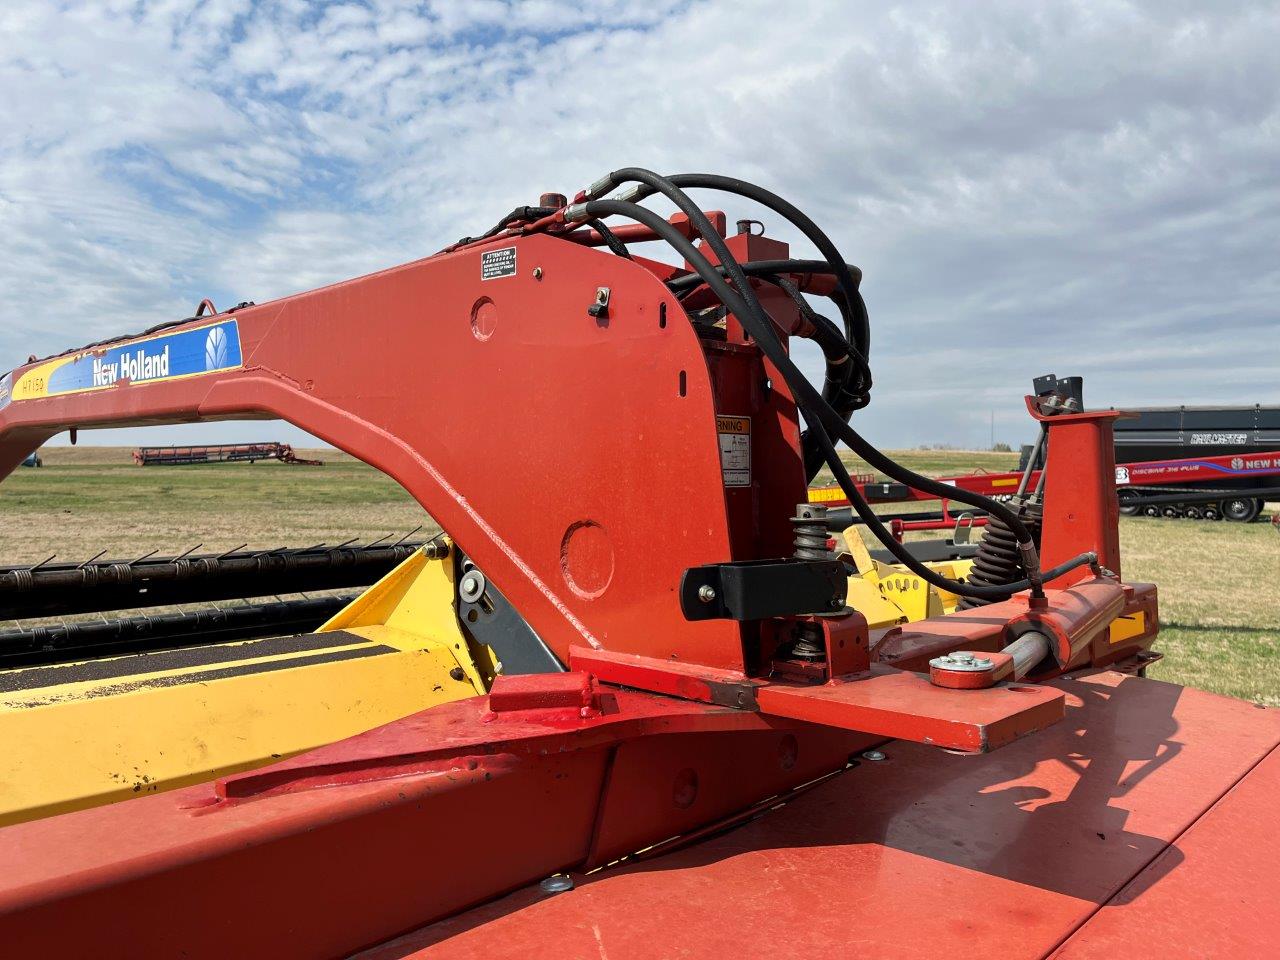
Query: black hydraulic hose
764, 333
843, 389
838, 353
861, 338
610, 239
773, 349
857, 380
837, 350
900, 553
857, 375
754, 268
518, 215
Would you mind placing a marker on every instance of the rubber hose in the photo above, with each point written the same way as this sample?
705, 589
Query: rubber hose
772, 347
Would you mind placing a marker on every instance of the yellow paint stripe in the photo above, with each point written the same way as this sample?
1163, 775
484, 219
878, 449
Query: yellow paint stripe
825, 494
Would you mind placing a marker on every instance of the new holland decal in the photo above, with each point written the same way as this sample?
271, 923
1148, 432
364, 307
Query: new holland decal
172, 356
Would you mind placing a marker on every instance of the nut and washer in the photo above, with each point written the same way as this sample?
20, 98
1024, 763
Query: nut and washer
962, 661
472, 586
706, 593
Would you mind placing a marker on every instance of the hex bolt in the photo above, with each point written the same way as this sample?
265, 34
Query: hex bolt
471, 587
706, 593
557, 884
537, 273
874, 755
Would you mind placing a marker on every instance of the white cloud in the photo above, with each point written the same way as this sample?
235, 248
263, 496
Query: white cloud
1080, 187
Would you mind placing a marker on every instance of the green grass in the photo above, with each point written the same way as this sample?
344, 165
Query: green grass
85, 500
1219, 582
119, 489
1219, 601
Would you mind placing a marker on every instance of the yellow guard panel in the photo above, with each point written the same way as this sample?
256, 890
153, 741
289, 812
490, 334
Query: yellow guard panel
81, 734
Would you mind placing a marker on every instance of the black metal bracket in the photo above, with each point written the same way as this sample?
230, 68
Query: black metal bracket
759, 589
1065, 389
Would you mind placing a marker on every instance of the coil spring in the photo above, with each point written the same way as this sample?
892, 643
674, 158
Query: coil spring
810, 528
810, 644
997, 561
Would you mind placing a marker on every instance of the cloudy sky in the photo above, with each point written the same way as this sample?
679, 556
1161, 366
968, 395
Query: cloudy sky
1081, 188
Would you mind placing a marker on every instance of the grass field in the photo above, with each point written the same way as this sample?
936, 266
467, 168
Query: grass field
1219, 582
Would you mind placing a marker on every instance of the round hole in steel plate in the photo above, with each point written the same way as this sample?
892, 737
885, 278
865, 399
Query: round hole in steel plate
788, 752
484, 319
685, 788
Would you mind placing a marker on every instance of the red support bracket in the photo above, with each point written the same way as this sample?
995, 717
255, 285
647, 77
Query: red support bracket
1080, 491
882, 701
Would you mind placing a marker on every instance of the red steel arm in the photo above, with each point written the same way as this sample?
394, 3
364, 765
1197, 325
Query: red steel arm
565, 453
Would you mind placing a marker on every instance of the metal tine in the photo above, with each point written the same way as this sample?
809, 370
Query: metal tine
346, 543
144, 556
44, 561
407, 535
374, 543
231, 551
185, 553
314, 546
96, 556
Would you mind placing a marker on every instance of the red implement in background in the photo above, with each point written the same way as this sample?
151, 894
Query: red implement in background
220, 453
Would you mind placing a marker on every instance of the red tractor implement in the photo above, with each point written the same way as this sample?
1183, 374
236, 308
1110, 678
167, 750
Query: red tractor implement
686, 743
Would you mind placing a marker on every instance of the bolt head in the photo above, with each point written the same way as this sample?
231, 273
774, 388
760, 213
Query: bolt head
706, 593
471, 586
557, 884
874, 755
537, 273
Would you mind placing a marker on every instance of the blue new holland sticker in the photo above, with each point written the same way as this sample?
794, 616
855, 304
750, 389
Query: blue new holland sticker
186, 353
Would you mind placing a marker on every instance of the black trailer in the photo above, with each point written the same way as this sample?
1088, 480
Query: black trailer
1230, 457
1169, 433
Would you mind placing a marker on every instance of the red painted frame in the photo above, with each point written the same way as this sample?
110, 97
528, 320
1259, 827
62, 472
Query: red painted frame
664, 728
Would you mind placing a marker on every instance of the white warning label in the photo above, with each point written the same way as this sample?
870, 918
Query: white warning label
498, 263
735, 450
